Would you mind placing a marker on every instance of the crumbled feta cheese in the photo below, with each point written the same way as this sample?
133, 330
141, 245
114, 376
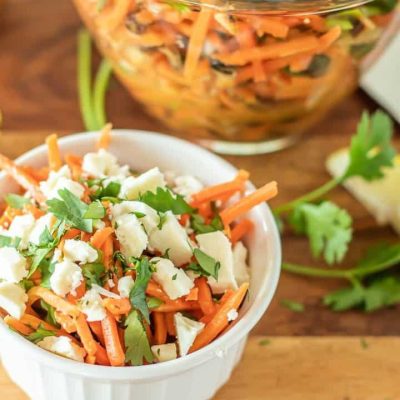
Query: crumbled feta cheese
92, 306
164, 352
13, 266
240, 268
105, 292
186, 332
79, 251
150, 220
13, 299
40, 225
174, 281
67, 276
172, 237
232, 315
102, 164
58, 180
187, 185
132, 187
131, 236
111, 283
218, 246
125, 284
21, 227
63, 346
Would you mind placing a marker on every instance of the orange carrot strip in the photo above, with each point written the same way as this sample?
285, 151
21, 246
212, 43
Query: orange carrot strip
113, 345
160, 328
75, 165
241, 229
245, 204
80, 291
154, 290
272, 26
95, 326
71, 233
66, 321
100, 236
169, 320
117, 306
107, 249
193, 295
196, 42
101, 356
177, 305
85, 335
105, 137
205, 297
329, 38
53, 152
18, 325
36, 212
259, 72
52, 299
35, 322
220, 320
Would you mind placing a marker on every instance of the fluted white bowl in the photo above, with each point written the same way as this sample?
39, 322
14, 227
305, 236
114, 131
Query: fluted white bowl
45, 376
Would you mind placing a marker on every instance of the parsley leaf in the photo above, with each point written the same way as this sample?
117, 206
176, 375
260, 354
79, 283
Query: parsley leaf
137, 295
164, 200
40, 334
345, 299
371, 148
71, 210
327, 226
199, 226
50, 313
136, 342
16, 201
7, 241
95, 210
292, 305
153, 302
206, 265
93, 273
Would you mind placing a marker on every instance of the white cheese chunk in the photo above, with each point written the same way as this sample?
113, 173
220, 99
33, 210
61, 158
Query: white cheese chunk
79, 251
131, 236
67, 276
13, 266
174, 281
132, 187
125, 285
21, 227
186, 332
103, 164
149, 220
172, 237
232, 315
218, 246
92, 306
13, 299
63, 346
164, 352
40, 225
187, 185
240, 268
58, 180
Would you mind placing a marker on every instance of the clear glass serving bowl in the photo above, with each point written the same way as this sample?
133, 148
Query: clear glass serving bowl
240, 76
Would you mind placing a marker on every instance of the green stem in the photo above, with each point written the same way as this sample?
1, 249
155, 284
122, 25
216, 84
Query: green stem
100, 88
84, 80
314, 195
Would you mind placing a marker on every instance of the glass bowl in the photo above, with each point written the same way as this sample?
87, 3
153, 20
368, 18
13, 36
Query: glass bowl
240, 76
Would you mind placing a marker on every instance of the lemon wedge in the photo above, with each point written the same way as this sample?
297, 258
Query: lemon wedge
381, 198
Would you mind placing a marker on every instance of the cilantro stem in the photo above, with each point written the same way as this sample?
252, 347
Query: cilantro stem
314, 195
84, 79
100, 88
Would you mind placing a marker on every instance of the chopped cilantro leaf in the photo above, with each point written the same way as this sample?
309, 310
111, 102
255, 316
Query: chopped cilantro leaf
153, 302
93, 273
199, 226
205, 265
95, 210
6, 241
292, 305
16, 201
40, 334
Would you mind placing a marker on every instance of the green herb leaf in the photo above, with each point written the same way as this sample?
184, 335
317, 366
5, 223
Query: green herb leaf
46, 268
6, 241
95, 210
93, 273
50, 314
327, 226
292, 305
40, 334
206, 265
16, 201
136, 342
199, 226
153, 302
371, 149
71, 210
164, 200
345, 299
137, 296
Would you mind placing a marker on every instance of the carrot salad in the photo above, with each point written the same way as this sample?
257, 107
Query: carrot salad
231, 75
106, 266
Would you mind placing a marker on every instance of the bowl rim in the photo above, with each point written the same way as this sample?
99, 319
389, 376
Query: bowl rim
216, 348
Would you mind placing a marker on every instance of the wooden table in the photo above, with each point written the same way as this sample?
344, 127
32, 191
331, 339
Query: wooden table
38, 96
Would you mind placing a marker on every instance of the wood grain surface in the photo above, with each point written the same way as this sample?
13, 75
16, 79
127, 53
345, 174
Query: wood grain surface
38, 95
303, 368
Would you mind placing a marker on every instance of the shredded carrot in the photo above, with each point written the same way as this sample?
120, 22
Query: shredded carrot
117, 306
169, 320
101, 356
241, 229
107, 249
85, 335
80, 292
66, 321
18, 325
160, 328
259, 71
71, 234
34, 322
100, 236
54, 155
245, 204
75, 165
153, 289
193, 295
105, 137
205, 296
329, 38
32, 209
95, 326
112, 341
220, 320
178, 305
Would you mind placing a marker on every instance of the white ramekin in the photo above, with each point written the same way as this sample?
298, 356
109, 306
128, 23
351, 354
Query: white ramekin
45, 376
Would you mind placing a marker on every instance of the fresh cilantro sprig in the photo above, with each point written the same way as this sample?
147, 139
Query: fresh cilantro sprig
40, 334
199, 226
136, 341
16, 201
205, 265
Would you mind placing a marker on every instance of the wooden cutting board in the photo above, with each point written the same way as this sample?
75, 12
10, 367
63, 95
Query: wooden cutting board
303, 368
